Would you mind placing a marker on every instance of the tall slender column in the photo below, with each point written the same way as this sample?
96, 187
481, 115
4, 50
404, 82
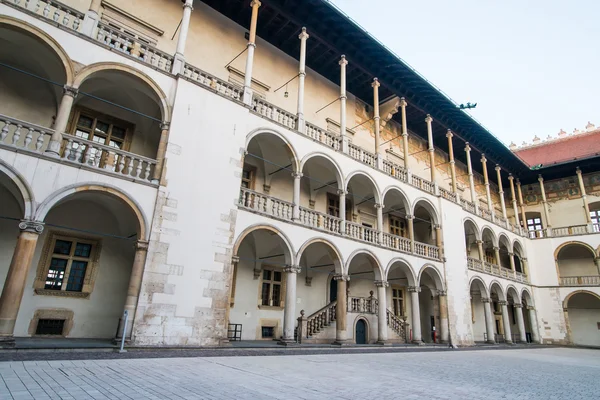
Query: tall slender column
535, 336
289, 310
416, 314
14, 285
518, 309
341, 309
133, 290
376, 119
379, 208
525, 266
411, 231
428, 121
521, 205
255, 4
343, 62
513, 199
497, 255
471, 181
546, 209
480, 249
301, 77
511, 257
62, 119
296, 211
449, 135
342, 195
489, 323
505, 322
382, 331
90, 20
444, 329
161, 152
486, 181
438, 240
179, 59
403, 105
501, 190
586, 207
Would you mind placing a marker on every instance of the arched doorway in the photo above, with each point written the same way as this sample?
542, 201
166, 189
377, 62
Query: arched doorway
361, 332
425, 222
501, 318
490, 244
582, 311
433, 306
481, 318
395, 220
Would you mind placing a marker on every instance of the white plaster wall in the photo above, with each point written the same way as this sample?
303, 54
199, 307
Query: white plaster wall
584, 326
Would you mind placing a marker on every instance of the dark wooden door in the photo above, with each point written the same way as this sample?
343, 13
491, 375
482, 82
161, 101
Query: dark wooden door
361, 332
332, 290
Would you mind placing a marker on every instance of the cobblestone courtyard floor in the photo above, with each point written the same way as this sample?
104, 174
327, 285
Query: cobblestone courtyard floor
549, 373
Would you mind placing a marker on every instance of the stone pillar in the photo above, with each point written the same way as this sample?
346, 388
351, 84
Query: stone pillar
586, 207
521, 205
416, 314
513, 199
480, 249
489, 322
382, 333
255, 4
449, 135
486, 181
343, 62
506, 322
438, 237
518, 309
535, 336
379, 208
471, 181
546, 209
289, 311
431, 149
62, 119
161, 152
444, 329
411, 231
342, 195
497, 255
90, 20
501, 191
341, 309
179, 59
511, 258
525, 266
376, 119
14, 285
296, 211
301, 127
403, 105
133, 290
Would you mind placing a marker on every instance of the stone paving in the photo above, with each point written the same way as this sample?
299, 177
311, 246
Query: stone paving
549, 373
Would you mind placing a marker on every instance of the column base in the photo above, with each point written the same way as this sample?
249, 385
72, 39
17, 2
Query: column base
287, 342
418, 342
384, 343
53, 149
508, 342
7, 342
247, 99
178, 64
342, 343
490, 341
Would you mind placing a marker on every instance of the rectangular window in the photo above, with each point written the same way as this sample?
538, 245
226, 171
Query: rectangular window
398, 302
333, 205
50, 327
534, 226
268, 332
595, 216
271, 290
248, 177
397, 226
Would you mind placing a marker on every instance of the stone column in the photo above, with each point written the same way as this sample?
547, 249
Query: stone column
161, 152
379, 208
416, 314
518, 309
480, 249
449, 135
342, 195
382, 333
501, 191
343, 62
341, 309
411, 231
133, 290
301, 127
525, 266
431, 149
289, 311
521, 205
497, 255
255, 4
546, 209
486, 181
444, 330
90, 20
179, 59
506, 322
511, 258
14, 285
376, 119
471, 181
296, 211
489, 322
62, 119
403, 105
586, 207
513, 199
438, 237
535, 336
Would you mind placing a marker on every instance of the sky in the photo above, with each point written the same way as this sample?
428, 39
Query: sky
532, 66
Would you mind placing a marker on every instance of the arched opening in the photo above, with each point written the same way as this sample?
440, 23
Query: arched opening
399, 302
519, 256
471, 238
319, 261
361, 332
576, 264
529, 317
497, 298
363, 270
395, 222
363, 195
583, 315
424, 222
514, 305
505, 250
478, 294
534, 224
489, 243
595, 215
258, 286
430, 305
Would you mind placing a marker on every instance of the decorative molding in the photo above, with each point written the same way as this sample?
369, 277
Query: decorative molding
293, 269
62, 293
381, 283
31, 226
341, 277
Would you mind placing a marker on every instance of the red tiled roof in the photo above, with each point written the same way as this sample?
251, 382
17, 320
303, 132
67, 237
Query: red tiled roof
574, 147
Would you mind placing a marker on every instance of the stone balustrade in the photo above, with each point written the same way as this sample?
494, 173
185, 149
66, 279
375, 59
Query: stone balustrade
475, 264
323, 136
360, 232
53, 11
422, 184
427, 250
315, 219
396, 242
593, 280
23, 135
207, 80
573, 230
363, 305
398, 324
274, 113
448, 195
316, 322
266, 204
395, 170
362, 155
468, 206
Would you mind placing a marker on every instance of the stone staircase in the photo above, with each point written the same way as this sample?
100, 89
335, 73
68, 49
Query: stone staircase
318, 326
398, 325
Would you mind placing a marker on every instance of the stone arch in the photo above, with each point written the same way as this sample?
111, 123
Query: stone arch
48, 40
434, 274
379, 274
363, 318
408, 270
253, 228
402, 194
574, 243
468, 221
61, 194
376, 190
339, 265
500, 290
573, 293
518, 248
291, 150
503, 239
481, 284
338, 170
512, 290
526, 294
487, 228
23, 186
92, 69
429, 206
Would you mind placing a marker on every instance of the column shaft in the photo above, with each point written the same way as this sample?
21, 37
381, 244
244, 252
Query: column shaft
179, 59
489, 323
342, 195
403, 105
513, 199
520, 322
90, 20
161, 153
255, 4
133, 290
343, 62
497, 256
62, 119
301, 77
545, 203
382, 331
444, 328
506, 322
586, 207
449, 135
376, 119
428, 121
486, 181
471, 181
480, 250
521, 205
411, 231
535, 336
296, 211
416, 314
341, 310
289, 311
501, 191
379, 208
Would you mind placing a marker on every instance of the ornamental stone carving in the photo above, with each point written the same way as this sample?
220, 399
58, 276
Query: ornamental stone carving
294, 269
31, 226
341, 277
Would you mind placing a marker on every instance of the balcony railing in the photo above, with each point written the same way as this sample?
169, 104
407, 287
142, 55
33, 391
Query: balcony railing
53, 11
564, 231
395, 170
593, 280
475, 264
361, 232
362, 155
363, 305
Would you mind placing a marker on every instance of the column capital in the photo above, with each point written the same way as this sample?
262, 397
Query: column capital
511, 254
442, 293
188, 4
479, 241
343, 61
379, 205
303, 35
467, 147
496, 248
415, 289
70, 91
428, 119
530, 308
256, 3
341, 192
502, 302
486, 300
164, 126
498, 168
578, 171
540, 179
375, 83
518, 305
382, 283
403, 102
410, 217
341, 277
294, 269
449, 134
141, 245
297, 175
31, 226
437, 226
483, 159
510, 177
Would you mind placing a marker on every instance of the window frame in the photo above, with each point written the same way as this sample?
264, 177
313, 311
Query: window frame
402, 298
252, 179
112, 121
272, 282
402, 230
595, 218
336, 198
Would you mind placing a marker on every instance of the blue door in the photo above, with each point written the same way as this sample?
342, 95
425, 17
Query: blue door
361, 332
